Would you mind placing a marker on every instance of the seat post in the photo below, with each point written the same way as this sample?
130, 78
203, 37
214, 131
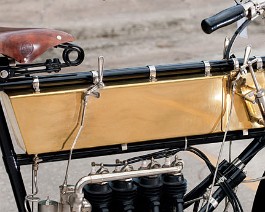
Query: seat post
11, 165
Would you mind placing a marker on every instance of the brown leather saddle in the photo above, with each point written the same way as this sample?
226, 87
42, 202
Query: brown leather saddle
26, 44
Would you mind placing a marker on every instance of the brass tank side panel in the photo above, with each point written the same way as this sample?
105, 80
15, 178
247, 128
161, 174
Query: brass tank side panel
123, 114
46, 121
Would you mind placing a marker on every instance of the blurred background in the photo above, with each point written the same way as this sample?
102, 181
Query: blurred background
131, 33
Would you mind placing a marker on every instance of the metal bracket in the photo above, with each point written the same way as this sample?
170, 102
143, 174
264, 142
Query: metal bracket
236, 64
98, 75
124, 147
221, 180
207, 68
213, 202
186, 143
36, 84
95, 77
152, 77
245, 132
259, 63
97, 80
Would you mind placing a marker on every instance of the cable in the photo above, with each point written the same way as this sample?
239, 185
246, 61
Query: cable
253, 180
237, 32
224, 185
202, 156
232, 197
222, 145
156, 155
227, 202
85, 101
90, 91
226, 188
32, 197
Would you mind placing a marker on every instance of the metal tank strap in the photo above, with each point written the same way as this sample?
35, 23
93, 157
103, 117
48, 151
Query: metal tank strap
152, 77
207, 66
36, 84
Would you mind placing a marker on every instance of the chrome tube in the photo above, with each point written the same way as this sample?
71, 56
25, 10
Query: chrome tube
77, 198
99, 178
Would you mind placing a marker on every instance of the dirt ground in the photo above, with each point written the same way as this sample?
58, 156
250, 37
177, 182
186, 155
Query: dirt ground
128, 33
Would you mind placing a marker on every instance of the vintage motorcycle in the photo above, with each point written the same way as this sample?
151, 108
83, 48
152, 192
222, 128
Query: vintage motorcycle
79, 115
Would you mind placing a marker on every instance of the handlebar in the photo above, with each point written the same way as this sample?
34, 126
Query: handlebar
223, 18
251, 9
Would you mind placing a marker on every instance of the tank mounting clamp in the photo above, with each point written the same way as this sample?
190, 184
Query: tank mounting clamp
152, 77
207, 66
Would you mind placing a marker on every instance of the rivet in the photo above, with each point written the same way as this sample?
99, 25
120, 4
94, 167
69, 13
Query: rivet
4, 74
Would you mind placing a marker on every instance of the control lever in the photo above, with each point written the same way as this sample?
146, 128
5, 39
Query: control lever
100, 70
260, 92
260, 95
97, 79
247, 54
246, 59
243, 70
226, 43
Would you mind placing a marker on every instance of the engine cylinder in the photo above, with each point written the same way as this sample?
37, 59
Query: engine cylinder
174, 189
123, 195
149, 191
99, 196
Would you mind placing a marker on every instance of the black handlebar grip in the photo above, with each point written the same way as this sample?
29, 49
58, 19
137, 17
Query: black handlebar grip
223, 18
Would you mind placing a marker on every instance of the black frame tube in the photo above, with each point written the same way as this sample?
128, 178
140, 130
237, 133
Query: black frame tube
11, 165
25, 159
116, 76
